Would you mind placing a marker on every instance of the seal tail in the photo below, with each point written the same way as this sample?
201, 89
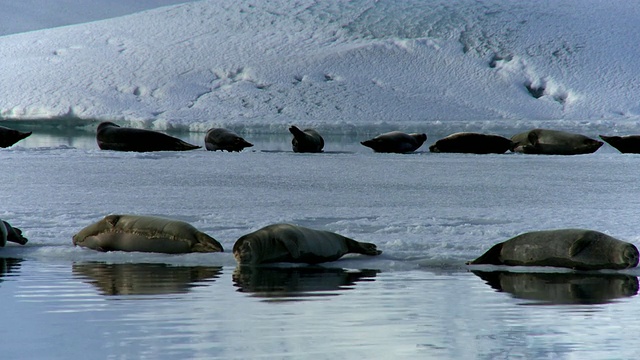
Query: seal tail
363, 248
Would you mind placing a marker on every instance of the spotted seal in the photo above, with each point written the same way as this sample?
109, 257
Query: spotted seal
145, 234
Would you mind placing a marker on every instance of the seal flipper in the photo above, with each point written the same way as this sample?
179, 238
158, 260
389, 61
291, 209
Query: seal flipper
533, 138
579, 245
112, 219
291, 247
491, 257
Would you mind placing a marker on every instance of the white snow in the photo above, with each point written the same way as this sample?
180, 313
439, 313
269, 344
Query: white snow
258, 66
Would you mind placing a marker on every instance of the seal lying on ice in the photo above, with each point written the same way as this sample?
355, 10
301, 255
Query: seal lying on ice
224, 140
296, 244
145, 234
9, 136
554, 142
629, 144
113, 137
472, 143
396, 142
570, 248
306, 141
10, 233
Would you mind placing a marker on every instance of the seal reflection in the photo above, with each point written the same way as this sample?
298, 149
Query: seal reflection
144, 279
297, 283
562, 288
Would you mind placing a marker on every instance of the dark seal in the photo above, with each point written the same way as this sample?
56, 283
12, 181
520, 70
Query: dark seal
9, 136
629, 144
296, 244
472, 143
554, 142
113, 137
306, 141
224, 140
396, 142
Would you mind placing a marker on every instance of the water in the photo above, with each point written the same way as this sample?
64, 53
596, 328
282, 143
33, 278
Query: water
62, 310
429, 213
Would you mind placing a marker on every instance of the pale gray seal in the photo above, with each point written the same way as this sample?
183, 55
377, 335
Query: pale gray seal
10, 233
9, 136
306, 141
629, 144
296, 244
113, 137
554, 142
145, 234
472, 143
570, 248
224, 140
396, 142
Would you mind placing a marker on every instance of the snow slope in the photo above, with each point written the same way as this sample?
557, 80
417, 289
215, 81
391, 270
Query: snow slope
335, 65
29, 15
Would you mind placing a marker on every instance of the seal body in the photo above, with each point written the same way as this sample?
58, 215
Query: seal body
224, 140
396, 142
554, 142
296, 244
570, 248
306, 141
145, 234
629, 144
473, 143
113, 137
10, 233
9, 136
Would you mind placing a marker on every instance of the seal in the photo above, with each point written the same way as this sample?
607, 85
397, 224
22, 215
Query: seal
472, 143
554, 142
396, 142
629, 144
306, 141
224, 140
113, 137
145, 234
9, 136
578, 249
296, 244
10, 233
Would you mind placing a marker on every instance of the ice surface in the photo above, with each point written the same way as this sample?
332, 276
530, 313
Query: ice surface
422, 209
333, 65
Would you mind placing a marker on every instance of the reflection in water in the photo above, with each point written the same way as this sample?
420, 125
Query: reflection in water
8, 266
144, 279
288, 283
563, 288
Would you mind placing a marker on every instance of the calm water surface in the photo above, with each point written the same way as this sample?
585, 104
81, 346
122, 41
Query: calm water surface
61, 310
